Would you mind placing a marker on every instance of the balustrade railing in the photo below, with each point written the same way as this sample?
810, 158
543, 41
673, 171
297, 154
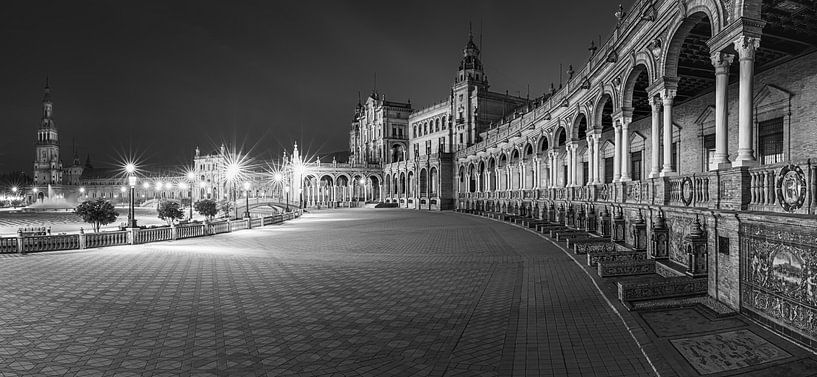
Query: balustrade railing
690, 190
106, 239
256, 222
238, 225
785, 187
220, 227
50, 243
8, 245
153, 235
189, 231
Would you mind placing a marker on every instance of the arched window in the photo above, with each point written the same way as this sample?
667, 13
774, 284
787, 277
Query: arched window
437, 127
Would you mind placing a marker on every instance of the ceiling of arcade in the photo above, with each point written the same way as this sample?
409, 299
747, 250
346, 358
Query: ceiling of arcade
791, 30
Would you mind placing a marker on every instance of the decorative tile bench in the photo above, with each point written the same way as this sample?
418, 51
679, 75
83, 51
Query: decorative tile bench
595, 257
626, 268
589, 238
664, 288
546, 228
567, 234
605, 246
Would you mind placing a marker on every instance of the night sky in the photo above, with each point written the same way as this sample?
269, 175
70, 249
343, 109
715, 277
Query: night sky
157, 78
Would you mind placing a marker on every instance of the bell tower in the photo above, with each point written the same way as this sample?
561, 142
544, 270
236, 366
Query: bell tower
469, 85
47, 162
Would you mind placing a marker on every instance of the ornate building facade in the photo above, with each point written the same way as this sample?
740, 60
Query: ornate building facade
694, 121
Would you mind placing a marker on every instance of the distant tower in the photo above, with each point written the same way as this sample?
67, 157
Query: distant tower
468, 85
47, 163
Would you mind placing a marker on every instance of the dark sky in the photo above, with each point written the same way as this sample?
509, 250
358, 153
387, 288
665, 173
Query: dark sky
157, 78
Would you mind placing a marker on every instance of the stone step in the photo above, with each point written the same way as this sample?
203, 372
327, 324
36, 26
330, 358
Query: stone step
626, 268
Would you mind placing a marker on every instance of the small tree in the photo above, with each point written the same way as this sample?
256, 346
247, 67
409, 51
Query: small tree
97, 212
170, 212
206, 208
226, 208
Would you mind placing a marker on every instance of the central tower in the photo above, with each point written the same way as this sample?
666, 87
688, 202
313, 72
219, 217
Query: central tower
469, 85
47, 163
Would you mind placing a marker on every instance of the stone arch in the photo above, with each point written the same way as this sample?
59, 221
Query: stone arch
560, 137
698, 10
630, 83
580, 126
602, 112
542, 145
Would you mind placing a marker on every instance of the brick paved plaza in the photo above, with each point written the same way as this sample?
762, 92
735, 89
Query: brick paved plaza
343, 292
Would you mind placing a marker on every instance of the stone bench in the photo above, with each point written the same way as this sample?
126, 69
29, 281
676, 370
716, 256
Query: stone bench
533, 223
565, 231
626, 268
605, 246
589, 238
568, 234
595, 257
659, 289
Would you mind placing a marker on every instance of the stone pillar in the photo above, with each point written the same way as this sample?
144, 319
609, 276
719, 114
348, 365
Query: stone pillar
591, 160
655, 136
569, 164
597, 155
746, 47
617, 155
536, 177
667, 97
574, 159
625, 150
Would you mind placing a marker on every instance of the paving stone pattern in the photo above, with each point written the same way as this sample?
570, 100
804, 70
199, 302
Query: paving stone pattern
361, 292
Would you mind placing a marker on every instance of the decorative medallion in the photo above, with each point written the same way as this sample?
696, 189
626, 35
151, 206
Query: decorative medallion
686, 191
791, 188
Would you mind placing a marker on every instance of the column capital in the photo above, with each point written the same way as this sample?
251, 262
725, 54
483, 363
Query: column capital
721, 61
656, 105
746, 47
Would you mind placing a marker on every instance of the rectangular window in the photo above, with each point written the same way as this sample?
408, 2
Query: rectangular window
723, 245
635, 166
608, 170
709, 150
770, 139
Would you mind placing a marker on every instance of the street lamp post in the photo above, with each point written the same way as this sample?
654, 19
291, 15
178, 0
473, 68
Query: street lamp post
14, 201
190, 178
130, 169
286, 190
247, 198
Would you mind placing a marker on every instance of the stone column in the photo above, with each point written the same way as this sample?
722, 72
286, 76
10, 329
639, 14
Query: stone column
667, 97
569, 164
625, 150
655, 135
552, 175
721, 61
591, 161
617, 155
536, 178
746, 47
597, 162
574, 164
